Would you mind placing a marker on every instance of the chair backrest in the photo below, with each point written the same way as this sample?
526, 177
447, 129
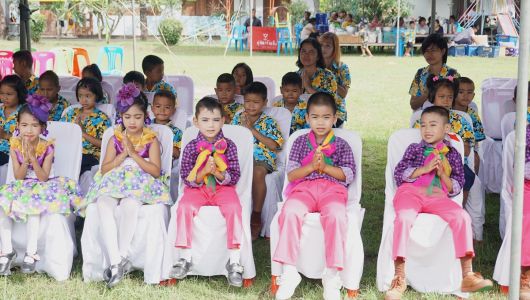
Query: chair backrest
116, 81
80, 52
282, 116
238, 32
269, 83
415, 117
110, 90
69, 96
283, 34
68, 150
474, 106
108, 109
185, 92
165, 137
397, 144
6, 63
68, 83
243, 139
45, 61
507, 124
64, 63
113, 54
354, 140
508, 153
497, 100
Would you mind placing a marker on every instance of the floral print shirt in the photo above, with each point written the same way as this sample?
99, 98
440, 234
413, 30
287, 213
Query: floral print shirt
297, 115
57, 110
419, 83
8, 125
94, 125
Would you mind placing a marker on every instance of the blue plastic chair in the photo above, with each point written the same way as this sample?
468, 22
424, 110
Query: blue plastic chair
298, 33
238, 35
283, 36
112, 53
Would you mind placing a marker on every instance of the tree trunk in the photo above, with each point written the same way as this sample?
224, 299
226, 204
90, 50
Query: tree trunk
317, 5
143, 20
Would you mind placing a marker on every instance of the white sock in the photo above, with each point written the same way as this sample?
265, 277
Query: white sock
289, 269
186, 254
331, 272
235, 255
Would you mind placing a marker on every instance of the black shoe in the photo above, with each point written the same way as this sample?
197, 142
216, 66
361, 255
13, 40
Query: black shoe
28, 264
114, 274
126, 266
180, 269
235, 274
5, 267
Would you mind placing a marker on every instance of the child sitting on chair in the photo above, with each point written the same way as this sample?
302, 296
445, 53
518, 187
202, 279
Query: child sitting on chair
268, 140
36, 191
441, 93
93, 71
210, 170
153, 68
49, 88
135, 77
23, 67
464, 97
130, 176
428, 174
226, 90
291, 90
319, 170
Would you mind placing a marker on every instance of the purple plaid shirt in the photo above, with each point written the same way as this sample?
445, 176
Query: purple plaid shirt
189, 157
342, 158
414, 158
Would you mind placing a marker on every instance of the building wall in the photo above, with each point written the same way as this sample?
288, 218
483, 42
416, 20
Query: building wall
423, 8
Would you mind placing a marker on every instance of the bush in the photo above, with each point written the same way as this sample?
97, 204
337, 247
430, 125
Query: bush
297, 9
37, 26
170, 30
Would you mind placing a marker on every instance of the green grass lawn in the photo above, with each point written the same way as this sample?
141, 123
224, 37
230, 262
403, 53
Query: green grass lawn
377, 106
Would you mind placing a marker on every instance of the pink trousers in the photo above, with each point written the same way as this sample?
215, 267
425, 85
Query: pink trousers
410, 201
322, 196
194, 198
525, 253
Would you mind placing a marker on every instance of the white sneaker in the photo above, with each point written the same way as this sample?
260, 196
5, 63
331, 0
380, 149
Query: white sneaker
332, 285
287, 282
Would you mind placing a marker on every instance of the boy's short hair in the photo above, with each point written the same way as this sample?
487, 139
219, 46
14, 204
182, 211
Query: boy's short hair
322, 98
50, 76
24, 56
166, 94
257, 88
208, 103
464, 80
226, 78
134, 76
439, 110
150, 62
292, 78
412, 22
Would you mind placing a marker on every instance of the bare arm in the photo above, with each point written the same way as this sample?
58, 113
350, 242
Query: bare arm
153, 165
268, 142
19, 170
42, 173
342, 90
92, 140
416, 102
334, 172
112, 160
300, 173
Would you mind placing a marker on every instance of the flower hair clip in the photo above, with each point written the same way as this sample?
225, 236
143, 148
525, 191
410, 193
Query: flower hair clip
450, 78
126, 96
435, 78
40, 107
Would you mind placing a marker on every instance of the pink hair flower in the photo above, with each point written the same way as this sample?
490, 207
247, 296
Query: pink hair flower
450, 78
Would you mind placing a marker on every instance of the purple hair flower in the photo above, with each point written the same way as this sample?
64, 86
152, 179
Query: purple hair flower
40, 107
126, 96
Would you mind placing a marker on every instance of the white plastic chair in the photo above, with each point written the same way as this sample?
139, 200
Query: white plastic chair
146, 252
116, 81
110, 90
269, 83
501, 274
431, 262
311, 261
209, 252
68, 83
56, 243
497, 100
185, 93
507, 124
274, 180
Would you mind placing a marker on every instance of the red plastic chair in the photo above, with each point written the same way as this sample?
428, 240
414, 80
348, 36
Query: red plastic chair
6, 63
80, 52
43, 58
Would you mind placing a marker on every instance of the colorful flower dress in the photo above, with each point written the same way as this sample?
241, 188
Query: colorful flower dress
30, 196
128, 180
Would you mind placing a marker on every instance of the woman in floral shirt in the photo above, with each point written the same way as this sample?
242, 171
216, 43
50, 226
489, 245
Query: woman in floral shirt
315, 77
434, 49
331, 53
